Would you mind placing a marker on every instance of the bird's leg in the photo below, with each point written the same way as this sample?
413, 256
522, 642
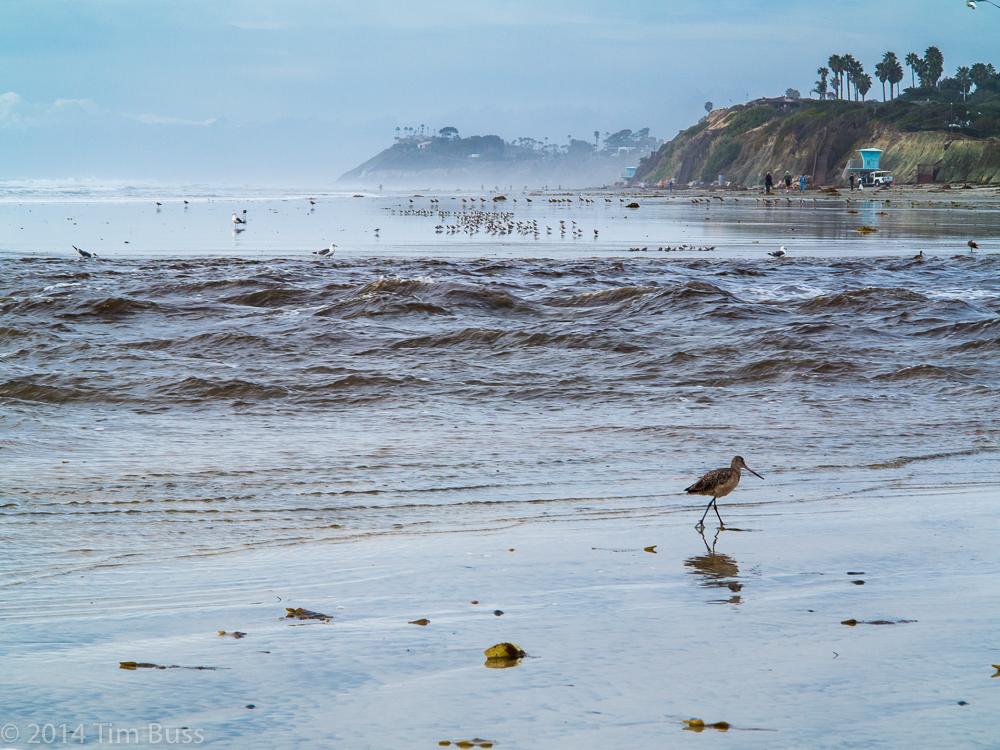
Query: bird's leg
716, 506
701, 523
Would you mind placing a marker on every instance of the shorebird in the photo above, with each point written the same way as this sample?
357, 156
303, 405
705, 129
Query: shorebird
719, 483
85, 254
919, 257
238, 219
779, 253
973, 245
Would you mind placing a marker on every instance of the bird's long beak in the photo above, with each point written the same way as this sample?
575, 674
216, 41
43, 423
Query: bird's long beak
752, 471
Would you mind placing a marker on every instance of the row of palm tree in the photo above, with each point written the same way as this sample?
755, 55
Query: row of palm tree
848, 72
843, 72
409, 132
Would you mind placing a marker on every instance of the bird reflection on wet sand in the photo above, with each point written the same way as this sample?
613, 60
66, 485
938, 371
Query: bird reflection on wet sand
717, 570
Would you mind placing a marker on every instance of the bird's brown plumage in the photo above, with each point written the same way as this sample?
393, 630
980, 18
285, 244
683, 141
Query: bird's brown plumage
716, 483
719, 483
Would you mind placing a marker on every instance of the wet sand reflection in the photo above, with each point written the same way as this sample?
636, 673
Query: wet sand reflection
717, 571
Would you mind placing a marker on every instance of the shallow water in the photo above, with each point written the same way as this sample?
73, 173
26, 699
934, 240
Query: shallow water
188, 407
126, 226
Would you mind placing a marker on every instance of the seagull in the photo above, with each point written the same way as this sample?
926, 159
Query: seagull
326, 250
237, 219
85, 254
781, 252
973, 245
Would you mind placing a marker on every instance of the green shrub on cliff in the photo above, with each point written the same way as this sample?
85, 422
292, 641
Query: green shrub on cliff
724, 153
748, 119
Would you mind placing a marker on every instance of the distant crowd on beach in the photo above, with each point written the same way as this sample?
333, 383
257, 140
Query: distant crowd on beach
802, 181
791, 183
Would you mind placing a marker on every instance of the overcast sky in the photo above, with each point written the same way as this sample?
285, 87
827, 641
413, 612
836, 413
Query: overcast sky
298, 91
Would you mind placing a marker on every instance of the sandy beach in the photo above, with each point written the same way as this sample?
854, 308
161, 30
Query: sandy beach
380, 376
623, 644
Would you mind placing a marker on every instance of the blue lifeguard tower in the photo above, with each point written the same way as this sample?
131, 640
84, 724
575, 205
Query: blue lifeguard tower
870, 171
870, 158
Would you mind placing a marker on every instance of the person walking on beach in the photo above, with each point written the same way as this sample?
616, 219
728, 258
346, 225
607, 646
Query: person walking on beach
788, 181
802, 183
769, 183
852, 183
670, 185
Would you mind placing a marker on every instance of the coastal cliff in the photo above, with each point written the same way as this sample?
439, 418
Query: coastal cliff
818, 138
446, 159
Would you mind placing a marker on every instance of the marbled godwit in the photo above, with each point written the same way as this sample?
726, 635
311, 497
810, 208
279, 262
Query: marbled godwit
719, 483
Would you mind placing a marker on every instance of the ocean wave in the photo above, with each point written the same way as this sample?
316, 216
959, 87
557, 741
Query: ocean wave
924, 372
41, 392
200, 389
277, 297
603, 296
506, 340
864, 300
111, 307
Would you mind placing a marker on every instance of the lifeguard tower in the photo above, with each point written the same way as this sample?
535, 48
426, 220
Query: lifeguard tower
869, 172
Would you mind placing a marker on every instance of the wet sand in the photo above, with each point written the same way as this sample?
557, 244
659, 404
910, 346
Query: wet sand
623, 644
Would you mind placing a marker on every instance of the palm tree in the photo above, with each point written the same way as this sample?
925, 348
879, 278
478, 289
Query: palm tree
895, 75
882, 74
862, 84
836, 63
979, 74
933, 66
889, 64
854, 70
821, 85
964, 77
914, 62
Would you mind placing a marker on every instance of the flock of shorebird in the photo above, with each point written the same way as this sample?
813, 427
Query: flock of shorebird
675, 249
472, 221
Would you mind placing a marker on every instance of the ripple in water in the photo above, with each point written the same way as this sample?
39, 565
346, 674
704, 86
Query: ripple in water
195, 407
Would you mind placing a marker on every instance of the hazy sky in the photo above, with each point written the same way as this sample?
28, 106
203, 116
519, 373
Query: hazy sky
298, 91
